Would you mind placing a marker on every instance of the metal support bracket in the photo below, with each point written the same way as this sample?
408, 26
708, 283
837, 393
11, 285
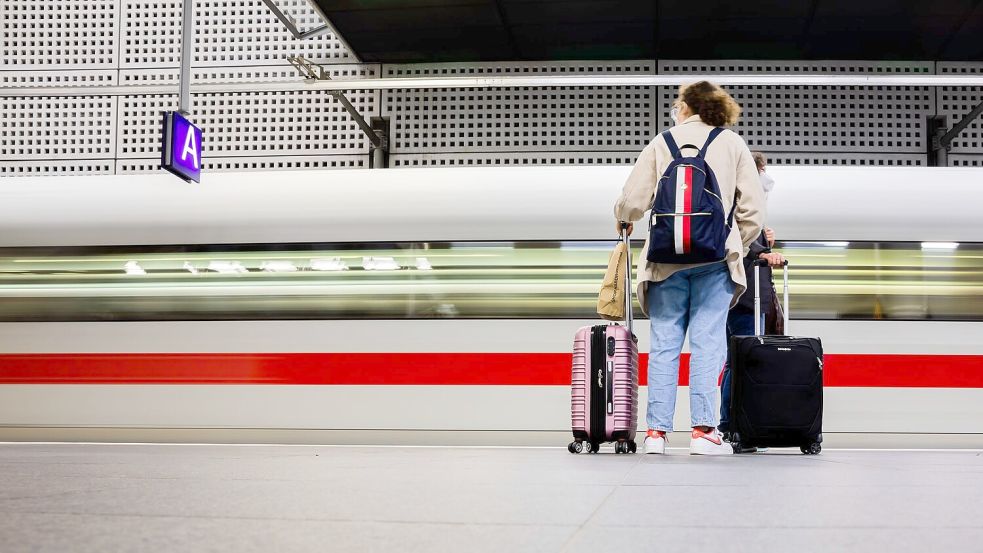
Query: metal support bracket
311, 71
291, 24
941, 139
377, 132
380, 153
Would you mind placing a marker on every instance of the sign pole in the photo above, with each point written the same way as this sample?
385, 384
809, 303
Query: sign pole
180, 148
187, 44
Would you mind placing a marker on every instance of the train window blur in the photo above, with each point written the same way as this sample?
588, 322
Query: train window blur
830, 280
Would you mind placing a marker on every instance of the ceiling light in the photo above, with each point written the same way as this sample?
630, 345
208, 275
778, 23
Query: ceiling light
278, 267
380, 264
328, 264
940, 245
227, 267
190, 268
133, 268
423, 264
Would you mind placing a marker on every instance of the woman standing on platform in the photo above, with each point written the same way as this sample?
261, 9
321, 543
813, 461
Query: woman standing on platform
694, 297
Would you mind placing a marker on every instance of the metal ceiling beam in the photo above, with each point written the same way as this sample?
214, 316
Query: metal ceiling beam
326, 26
946, 139
291, 24
503, 16
804, 41
509, 81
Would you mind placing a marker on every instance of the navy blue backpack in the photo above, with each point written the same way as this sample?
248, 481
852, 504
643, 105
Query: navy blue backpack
687, 224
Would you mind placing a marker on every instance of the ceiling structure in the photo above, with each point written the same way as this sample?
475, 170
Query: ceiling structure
395, 31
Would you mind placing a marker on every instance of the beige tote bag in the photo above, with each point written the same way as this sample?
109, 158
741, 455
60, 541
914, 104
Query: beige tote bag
611, 300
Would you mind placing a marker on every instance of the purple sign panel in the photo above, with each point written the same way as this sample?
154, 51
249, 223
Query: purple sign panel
181, 150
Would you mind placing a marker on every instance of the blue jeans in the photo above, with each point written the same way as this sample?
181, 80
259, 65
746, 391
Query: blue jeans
696, 299
738, 324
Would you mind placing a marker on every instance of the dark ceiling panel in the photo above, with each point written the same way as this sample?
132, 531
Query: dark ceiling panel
377, 5
435, 45
615, 40
698, 11
892, 9
583, 13
878, 38
966, 42
493, 30
420, 19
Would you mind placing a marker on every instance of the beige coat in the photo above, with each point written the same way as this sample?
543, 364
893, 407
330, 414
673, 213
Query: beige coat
736, 174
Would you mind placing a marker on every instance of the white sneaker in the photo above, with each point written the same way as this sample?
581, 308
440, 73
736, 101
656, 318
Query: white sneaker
708, 443
655, 442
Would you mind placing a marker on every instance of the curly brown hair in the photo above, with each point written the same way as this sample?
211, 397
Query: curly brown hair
712, 103
760, 161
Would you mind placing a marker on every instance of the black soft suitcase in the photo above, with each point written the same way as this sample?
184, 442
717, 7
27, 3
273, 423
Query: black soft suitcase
776, 386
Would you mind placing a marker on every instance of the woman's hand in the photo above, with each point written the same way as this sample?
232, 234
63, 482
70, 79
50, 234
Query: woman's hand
773, 259
770, 236
617, 225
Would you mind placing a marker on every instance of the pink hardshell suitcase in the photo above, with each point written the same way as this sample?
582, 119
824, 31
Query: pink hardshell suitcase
604, 387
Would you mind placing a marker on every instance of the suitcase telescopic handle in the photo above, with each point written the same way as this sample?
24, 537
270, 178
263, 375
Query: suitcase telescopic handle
758, 263
628, 311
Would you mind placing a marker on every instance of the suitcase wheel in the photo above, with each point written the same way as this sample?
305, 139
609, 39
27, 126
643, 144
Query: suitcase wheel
811, 449
575, 447
593, 447
625, 447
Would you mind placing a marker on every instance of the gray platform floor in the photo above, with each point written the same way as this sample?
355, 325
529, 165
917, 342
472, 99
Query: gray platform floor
80, 498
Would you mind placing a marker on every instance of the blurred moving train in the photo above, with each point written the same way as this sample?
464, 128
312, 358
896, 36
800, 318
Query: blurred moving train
399, 305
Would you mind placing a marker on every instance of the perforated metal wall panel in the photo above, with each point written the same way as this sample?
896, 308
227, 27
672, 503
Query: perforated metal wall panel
43, 128
130, 42
228, 33
876, 159
54, 43
46, 167
59, 34
823, 124
250, 124
71, 77
520, 121
965, 160
512, 158
266, 163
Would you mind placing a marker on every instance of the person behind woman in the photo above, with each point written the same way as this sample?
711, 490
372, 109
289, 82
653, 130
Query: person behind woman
740, 318
695, 297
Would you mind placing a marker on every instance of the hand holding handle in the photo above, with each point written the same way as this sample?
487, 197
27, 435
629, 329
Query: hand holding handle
758, 263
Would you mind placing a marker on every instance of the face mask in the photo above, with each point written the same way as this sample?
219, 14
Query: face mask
674, 115
767, 183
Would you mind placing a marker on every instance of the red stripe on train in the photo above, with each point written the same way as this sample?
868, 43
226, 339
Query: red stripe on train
513, 369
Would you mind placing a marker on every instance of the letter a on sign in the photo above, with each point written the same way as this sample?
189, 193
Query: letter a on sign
190, 148
181, 149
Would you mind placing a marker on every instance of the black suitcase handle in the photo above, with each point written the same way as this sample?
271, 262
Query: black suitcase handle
758, 263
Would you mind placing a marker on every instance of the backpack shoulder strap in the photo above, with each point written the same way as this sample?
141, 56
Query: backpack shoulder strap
714, 133
733, 208
673, 149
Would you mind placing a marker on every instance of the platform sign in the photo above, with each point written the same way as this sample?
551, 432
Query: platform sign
180, 151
